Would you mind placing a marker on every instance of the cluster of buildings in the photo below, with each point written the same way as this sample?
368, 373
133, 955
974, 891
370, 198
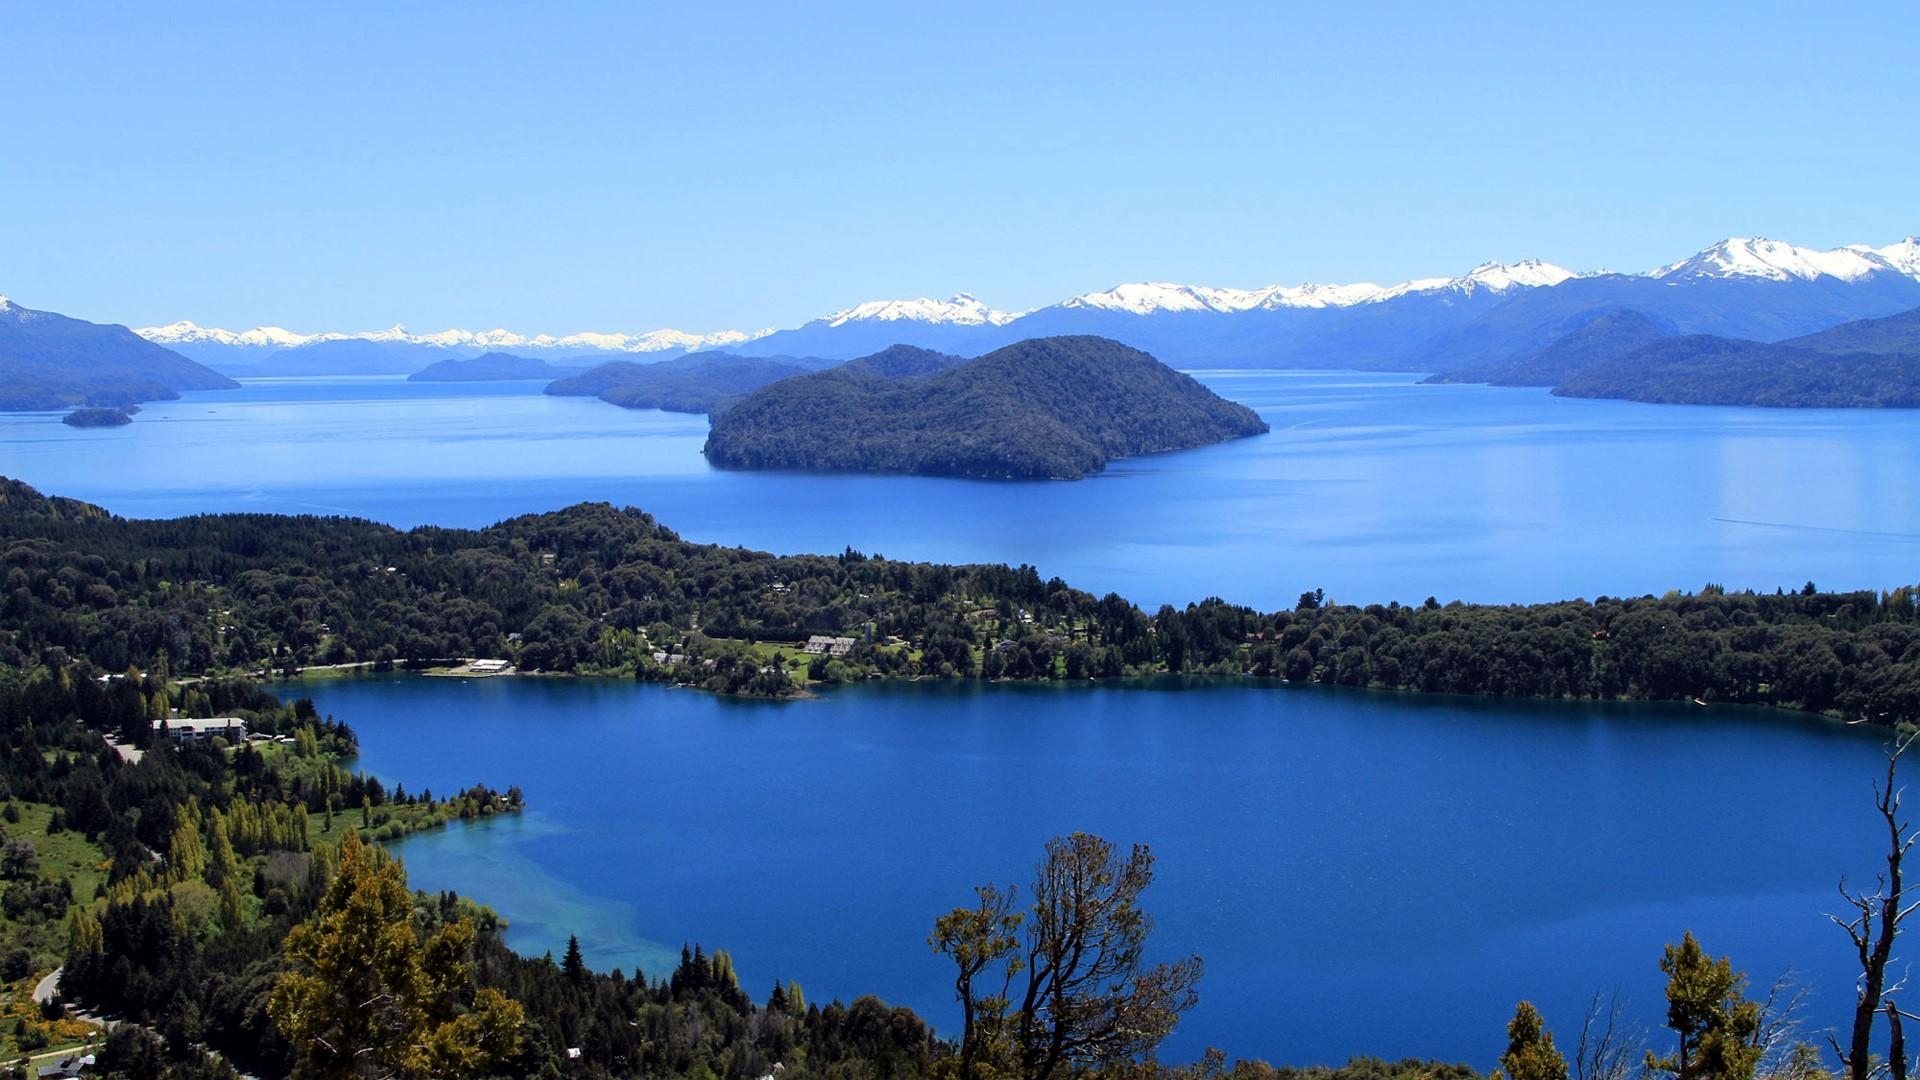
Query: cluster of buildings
819, 645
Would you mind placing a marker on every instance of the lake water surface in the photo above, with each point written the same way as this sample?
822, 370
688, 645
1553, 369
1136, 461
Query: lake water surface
1371, 486
1363, 873
1337, 858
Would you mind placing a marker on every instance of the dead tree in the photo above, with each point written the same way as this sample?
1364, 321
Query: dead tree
1874, 926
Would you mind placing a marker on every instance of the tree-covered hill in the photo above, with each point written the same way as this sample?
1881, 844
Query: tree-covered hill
490, 367
1607, 336
1871, 363
903, 362
1897, 335
592, 588
697, 383
1048, 408
50, 361
1704, 370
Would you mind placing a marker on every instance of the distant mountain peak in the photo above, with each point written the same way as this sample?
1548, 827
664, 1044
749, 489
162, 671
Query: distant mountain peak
1777, 260
1149, 297
275, 337
963, 309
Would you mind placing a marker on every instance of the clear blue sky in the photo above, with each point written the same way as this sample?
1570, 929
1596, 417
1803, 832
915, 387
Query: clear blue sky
559, 167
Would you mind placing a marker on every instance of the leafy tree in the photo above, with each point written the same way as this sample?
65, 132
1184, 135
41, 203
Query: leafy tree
1531, 1054
1719, 1029
1089, 1000
977, 938
367, 996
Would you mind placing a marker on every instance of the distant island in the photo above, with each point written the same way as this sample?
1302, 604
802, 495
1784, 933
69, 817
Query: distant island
101, 417
1049, 408
1626, 355
696, 383
51, 361
490, 367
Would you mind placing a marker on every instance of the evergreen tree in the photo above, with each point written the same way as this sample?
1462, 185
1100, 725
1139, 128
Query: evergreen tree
573, 965
365, 995
1719, 1029
1531, 1054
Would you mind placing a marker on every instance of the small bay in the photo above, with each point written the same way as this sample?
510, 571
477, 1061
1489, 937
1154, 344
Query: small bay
1334, 856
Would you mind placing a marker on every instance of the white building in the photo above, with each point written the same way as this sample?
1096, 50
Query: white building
188, 729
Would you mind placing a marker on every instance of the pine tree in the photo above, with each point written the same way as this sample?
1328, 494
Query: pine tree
573, 965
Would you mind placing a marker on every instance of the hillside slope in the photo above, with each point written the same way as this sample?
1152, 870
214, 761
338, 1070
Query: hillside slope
51, 361
1047, 408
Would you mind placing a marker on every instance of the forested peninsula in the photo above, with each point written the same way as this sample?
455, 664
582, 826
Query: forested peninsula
697, 383
1047, 408
1626, 355
594, 589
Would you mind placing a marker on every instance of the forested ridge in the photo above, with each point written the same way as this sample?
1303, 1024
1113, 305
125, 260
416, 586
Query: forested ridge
1049, 408
597, 589
696, 383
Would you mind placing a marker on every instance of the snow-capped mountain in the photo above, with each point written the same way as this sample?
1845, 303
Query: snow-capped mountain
1776, 260
962, 310
1741, 286
274, 337
1903, 256
1151, 297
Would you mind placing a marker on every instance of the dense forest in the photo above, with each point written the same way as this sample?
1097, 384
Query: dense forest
696, 383
222, 900
1623, 354
100, 417
50, 361
1704, 370
595, 589
1048, 408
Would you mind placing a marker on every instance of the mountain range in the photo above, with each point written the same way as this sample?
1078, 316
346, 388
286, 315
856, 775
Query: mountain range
1760, 289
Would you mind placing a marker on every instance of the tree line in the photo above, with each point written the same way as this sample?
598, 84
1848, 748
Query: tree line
597, 589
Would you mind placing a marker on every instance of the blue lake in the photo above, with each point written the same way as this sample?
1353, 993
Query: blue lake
1370, 486
1335, 857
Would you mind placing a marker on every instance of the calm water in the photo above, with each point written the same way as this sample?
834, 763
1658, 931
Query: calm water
1370, 486
1335, 857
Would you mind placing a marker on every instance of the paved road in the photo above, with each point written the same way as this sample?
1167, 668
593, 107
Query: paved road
43, 992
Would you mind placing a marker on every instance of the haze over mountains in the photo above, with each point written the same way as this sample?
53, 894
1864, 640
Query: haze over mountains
1748, 288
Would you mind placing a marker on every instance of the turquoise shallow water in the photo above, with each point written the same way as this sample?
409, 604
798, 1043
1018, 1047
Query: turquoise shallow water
1335, 857
1370, 486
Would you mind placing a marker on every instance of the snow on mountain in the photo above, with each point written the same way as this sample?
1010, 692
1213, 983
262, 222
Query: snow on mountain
1145, 298
962, 310
1903, 256
274, 337
1776, 260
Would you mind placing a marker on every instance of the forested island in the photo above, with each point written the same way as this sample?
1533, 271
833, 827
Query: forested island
1048, 408
1626, 355
601, 590
101, 417
490, 367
